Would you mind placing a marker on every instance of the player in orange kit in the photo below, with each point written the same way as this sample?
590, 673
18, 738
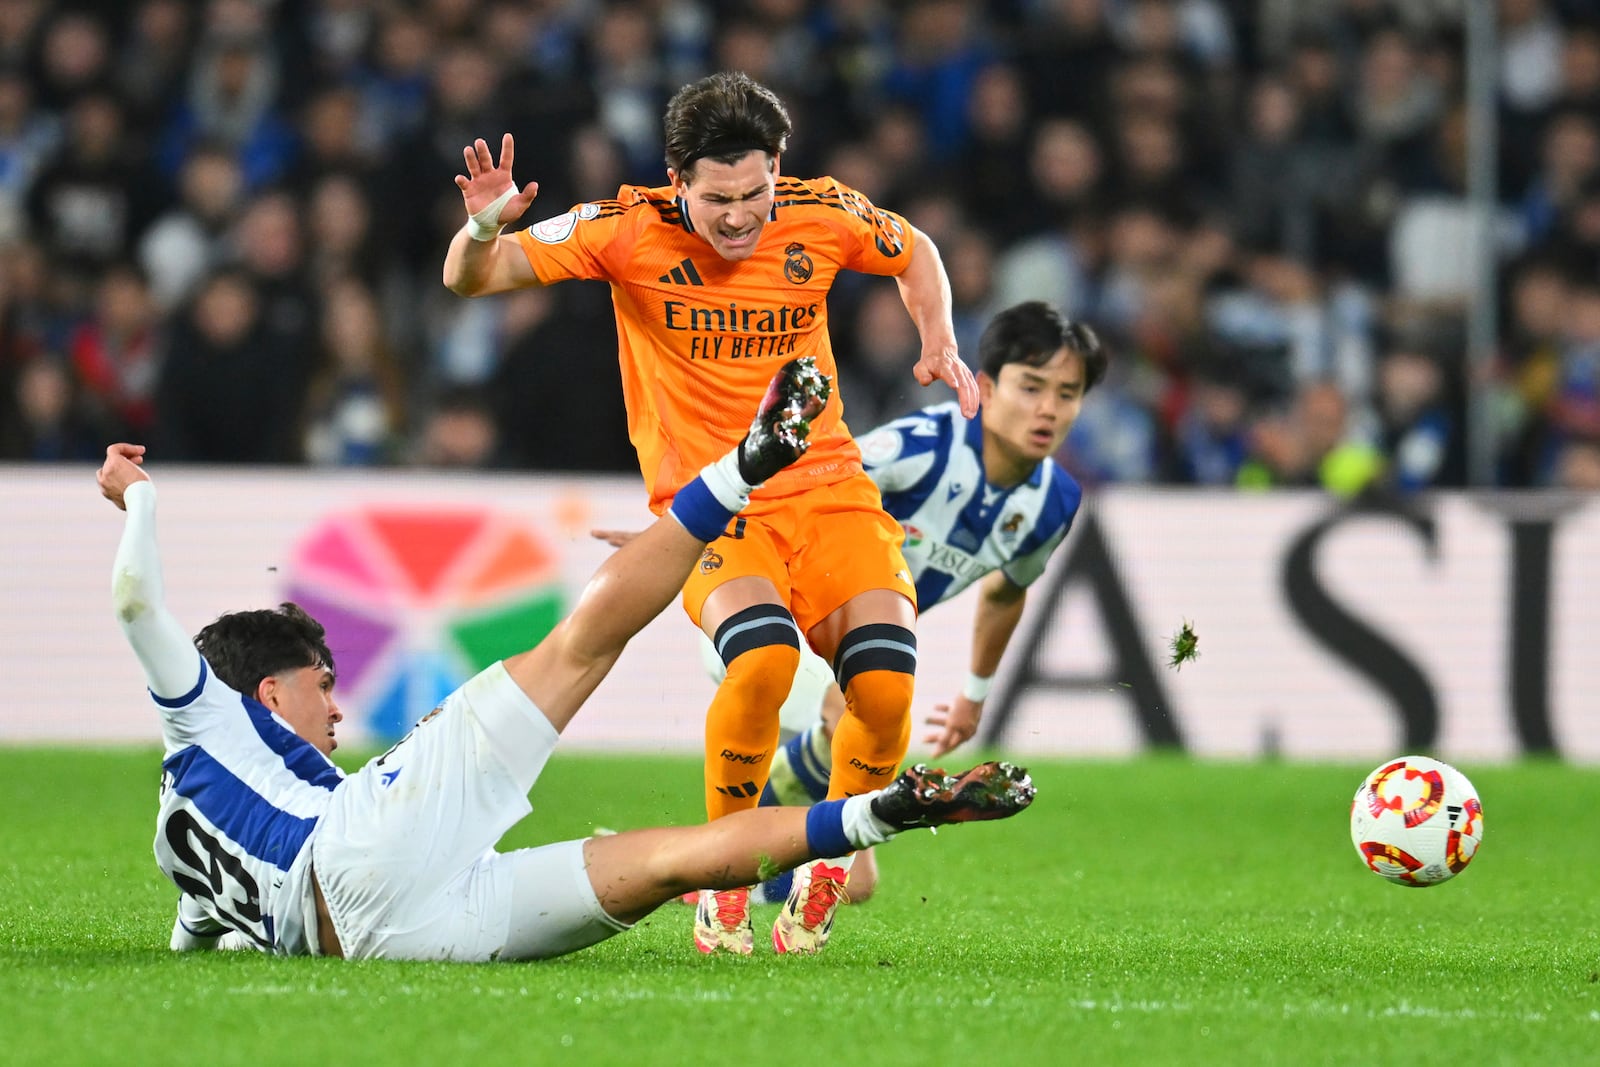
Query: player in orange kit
716, 278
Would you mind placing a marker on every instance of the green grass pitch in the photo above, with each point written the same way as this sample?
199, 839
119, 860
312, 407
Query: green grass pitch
1156, 911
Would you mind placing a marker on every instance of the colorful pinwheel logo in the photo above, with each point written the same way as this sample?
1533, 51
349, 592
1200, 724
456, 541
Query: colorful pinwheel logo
416, 601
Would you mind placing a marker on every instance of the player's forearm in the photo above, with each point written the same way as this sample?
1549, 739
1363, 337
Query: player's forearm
480, 268
925, 290
999, 611
171, 664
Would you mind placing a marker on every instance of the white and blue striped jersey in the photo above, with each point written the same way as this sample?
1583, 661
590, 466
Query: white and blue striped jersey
958, 527
241, 793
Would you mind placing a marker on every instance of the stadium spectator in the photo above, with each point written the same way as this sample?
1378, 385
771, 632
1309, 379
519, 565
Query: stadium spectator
232, 390
116, 351
74, 59
394, 86
189, 240
92, 200
28, 139
942, 50
1211, 439
569, 339
152, 60
459, 432
873, 377
1529, 365
232, 100
356, 402
269, 248
1421, 420
332, 142
339, 231
1311, 445
48, 421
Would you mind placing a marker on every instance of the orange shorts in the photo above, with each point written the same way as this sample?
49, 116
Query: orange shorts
820, 548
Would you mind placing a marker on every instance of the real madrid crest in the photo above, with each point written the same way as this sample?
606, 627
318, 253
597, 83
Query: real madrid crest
797, 266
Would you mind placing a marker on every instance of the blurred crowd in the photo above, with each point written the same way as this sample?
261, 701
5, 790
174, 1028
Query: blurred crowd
222, 223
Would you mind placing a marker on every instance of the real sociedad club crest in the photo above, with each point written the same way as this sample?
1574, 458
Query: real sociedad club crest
797, 267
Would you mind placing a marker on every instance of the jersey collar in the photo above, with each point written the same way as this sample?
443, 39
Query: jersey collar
688, 227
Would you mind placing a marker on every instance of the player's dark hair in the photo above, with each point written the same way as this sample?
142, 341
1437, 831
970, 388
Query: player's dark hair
723, 117
244, 647
1032, 333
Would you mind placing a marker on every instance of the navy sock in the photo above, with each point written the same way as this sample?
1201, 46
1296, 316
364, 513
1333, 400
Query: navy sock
825, 834
700, 512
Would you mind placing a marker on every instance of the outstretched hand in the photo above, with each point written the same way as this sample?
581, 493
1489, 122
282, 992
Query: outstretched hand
953, 723
486, 181
943, 364
120, 470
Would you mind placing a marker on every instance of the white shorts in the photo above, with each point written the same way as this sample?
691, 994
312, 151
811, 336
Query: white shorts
405, 854
802, 708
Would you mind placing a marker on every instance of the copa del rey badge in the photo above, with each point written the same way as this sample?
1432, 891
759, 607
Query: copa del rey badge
553, 231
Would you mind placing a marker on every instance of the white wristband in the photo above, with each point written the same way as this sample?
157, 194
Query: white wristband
485, 225
976, 687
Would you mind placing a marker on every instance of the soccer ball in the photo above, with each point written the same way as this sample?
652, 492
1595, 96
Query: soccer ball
1416, 821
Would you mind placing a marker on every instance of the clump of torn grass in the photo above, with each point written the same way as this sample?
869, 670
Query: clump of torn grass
1185, 646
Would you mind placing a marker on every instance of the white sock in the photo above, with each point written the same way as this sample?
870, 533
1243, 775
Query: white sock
861, 826
726, 483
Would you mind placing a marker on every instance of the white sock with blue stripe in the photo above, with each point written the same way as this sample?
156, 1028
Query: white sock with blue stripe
839, 827
707, 504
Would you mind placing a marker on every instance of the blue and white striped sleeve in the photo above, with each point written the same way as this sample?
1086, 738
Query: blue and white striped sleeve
899, 454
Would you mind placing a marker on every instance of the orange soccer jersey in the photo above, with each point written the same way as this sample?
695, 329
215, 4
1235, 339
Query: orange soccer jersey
700, 337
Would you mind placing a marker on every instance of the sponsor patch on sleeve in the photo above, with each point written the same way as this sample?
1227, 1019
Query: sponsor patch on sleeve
588, 211
555, 230
879, 447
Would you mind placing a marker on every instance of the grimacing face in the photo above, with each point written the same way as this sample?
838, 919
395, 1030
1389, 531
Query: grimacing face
1027, 413
728, 203
303, 698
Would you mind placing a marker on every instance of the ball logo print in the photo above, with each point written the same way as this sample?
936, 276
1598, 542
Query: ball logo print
1414, 808
1416, 821
417, 600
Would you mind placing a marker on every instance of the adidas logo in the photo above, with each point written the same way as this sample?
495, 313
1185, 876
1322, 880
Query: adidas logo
683, 274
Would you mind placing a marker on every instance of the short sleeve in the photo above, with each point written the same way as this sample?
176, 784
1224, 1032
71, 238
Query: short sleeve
1025, 570
898, 455
582, 243
872, 240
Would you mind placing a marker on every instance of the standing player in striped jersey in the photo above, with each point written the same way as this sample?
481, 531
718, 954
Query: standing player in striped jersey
978, 500
713, 278
272, 847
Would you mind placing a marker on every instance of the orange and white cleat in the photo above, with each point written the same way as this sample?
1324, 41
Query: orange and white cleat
722, 922
807, 916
